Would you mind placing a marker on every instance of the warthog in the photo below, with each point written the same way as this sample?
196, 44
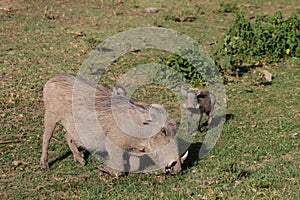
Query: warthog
97, 119
198, 102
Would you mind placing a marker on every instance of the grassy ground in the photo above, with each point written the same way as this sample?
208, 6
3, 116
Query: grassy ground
256, 157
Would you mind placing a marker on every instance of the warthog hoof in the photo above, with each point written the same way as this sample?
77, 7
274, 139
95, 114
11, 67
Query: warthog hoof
44, 163
79, 159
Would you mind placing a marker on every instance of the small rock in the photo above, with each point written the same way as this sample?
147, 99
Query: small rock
268, 75
151, 10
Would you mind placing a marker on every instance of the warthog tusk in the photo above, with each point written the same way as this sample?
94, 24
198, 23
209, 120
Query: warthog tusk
171, 163
184, 156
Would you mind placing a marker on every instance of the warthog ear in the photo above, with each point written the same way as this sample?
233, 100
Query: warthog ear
197, 92
119, 90
183, 92
172, 121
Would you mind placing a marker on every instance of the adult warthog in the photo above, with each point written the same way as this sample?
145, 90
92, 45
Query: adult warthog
99, 121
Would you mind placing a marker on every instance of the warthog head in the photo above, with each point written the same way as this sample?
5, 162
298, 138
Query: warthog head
191, 101
151, 130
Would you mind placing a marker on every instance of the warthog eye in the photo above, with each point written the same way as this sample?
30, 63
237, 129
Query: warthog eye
147, 121
164, 130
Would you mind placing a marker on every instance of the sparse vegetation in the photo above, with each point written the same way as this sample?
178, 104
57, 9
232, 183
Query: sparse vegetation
257, 155
268, 39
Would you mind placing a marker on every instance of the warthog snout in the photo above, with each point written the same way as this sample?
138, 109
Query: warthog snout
175, 166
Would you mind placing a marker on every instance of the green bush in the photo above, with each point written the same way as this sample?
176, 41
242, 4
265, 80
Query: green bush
196, 67
185, 68
268, 38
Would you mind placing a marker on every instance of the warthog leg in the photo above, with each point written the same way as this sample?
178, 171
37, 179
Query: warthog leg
116, 157
209, 119
49, 123
134, 163
190, 118
200, 116
74, 149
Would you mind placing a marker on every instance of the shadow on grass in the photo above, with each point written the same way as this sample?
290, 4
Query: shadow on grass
60, 158
217, 120
86, 155
198, 150
244, 69
193, 155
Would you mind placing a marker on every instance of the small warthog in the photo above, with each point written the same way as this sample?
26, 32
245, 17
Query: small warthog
198, 102
99, 120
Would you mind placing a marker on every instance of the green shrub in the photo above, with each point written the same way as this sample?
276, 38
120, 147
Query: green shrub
268, 38
196, 67
185, 68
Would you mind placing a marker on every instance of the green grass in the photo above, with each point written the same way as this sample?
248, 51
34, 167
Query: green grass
256, 157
